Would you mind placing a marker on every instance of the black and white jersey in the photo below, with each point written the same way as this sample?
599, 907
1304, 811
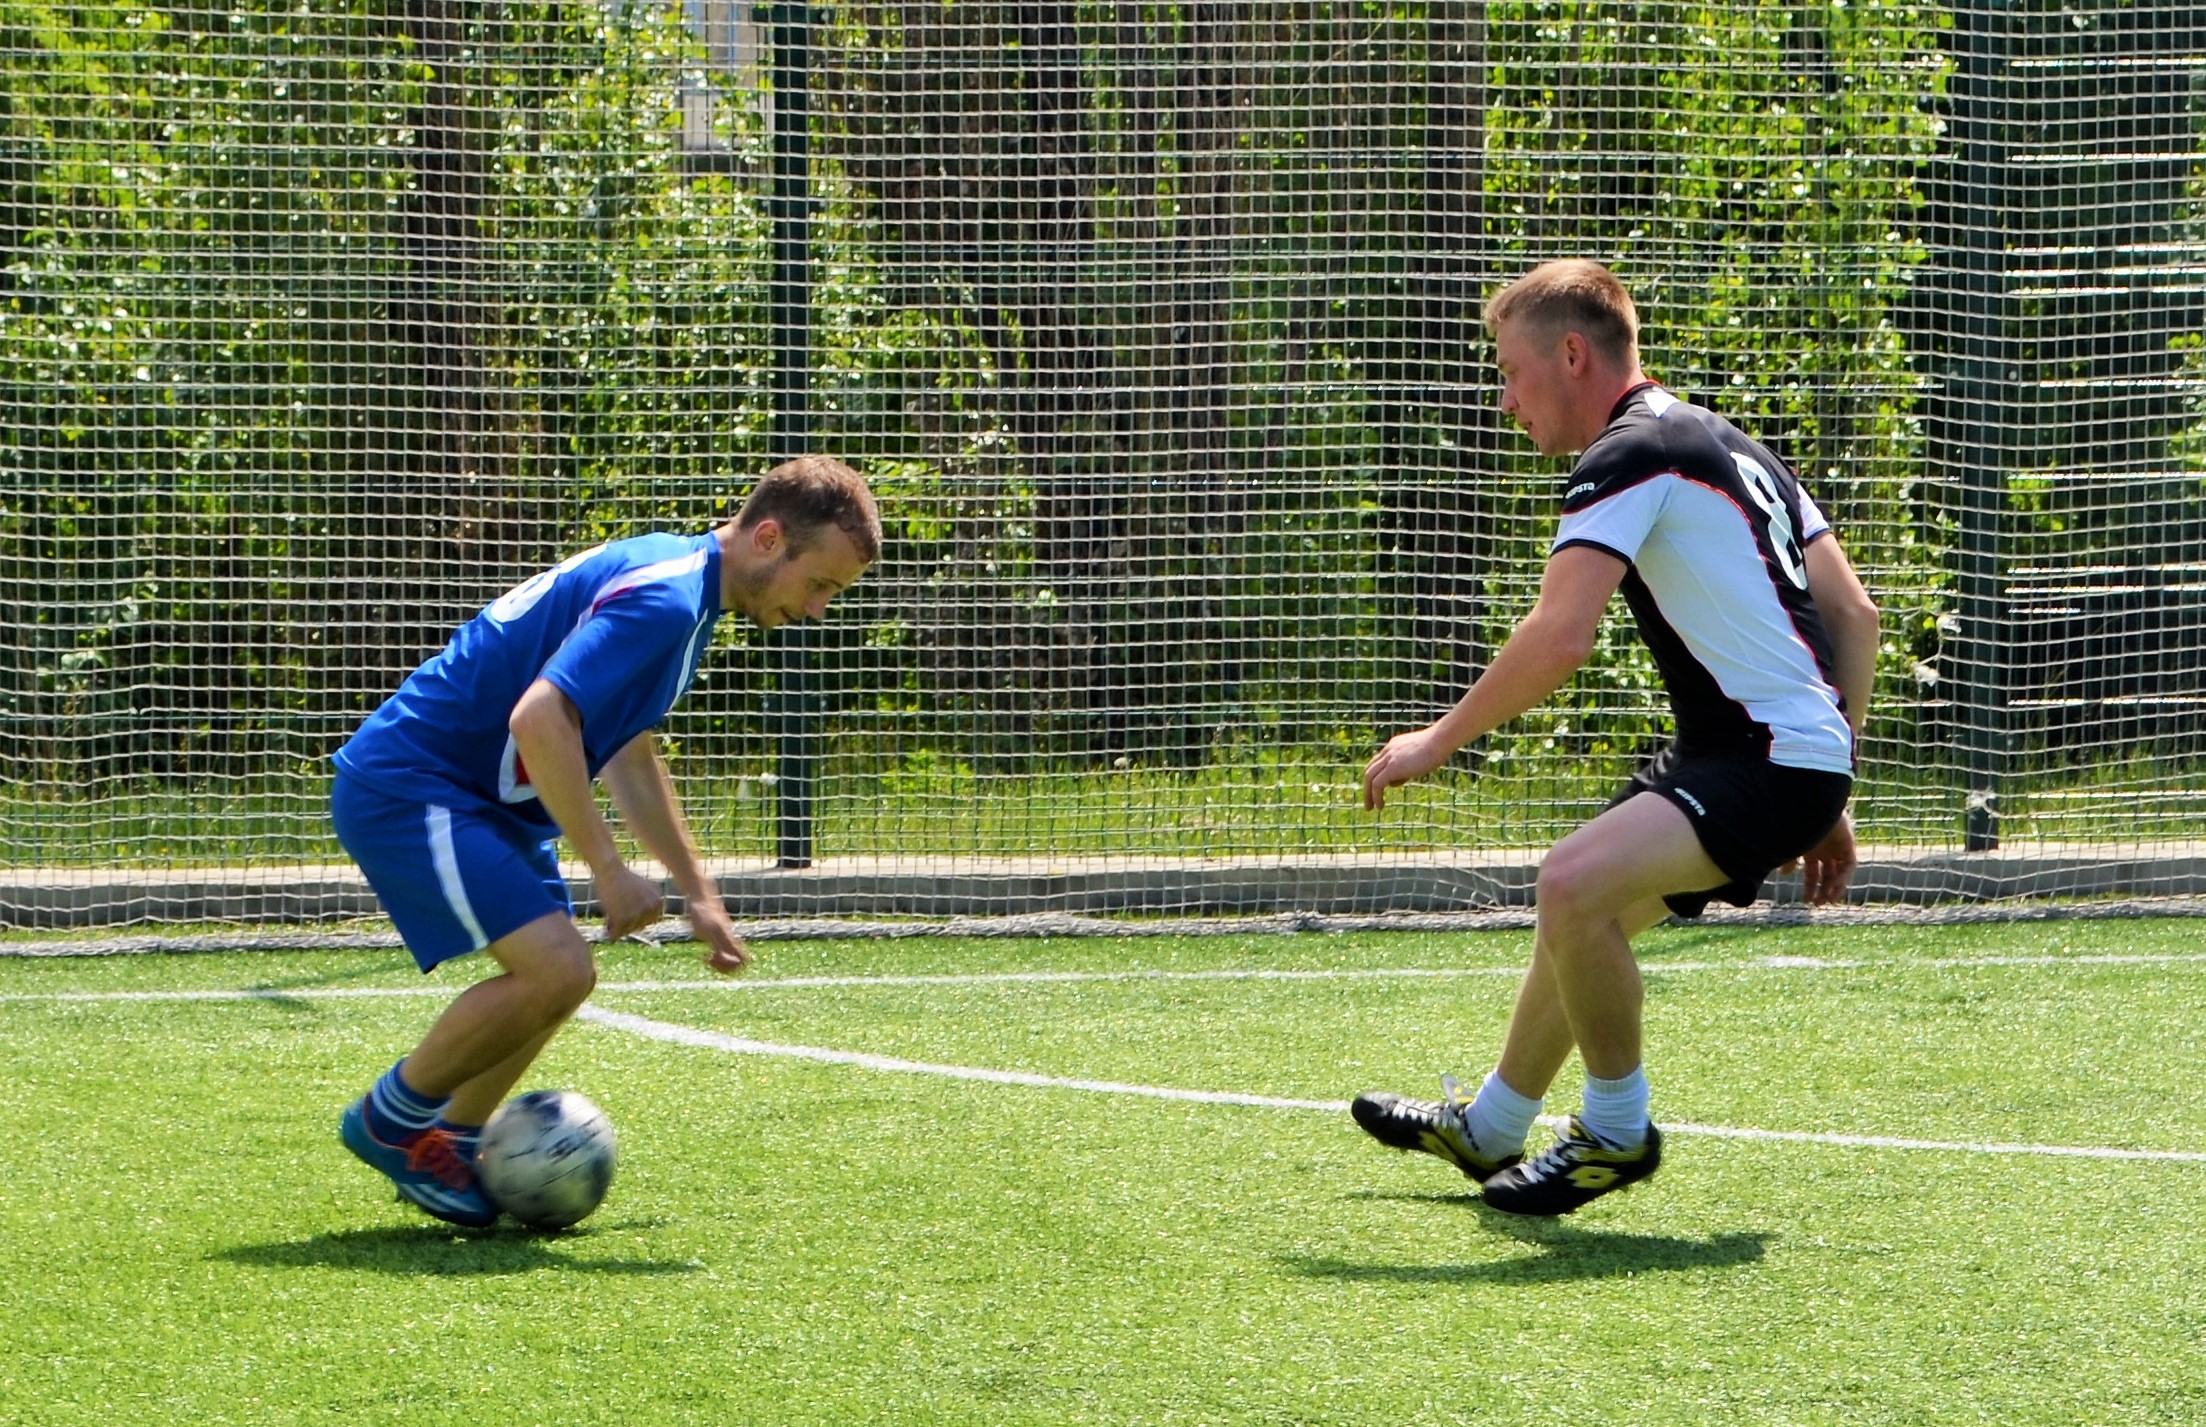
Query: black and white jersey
1713, 527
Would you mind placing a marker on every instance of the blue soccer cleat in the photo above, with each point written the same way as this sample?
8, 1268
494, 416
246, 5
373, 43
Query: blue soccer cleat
428, 1167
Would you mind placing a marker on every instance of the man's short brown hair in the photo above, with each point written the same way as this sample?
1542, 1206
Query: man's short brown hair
1570, 295
811, 493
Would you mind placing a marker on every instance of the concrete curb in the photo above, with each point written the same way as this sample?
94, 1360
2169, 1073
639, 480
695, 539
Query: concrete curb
1345, 885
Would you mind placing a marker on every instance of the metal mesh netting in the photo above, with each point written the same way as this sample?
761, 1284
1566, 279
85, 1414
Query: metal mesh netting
1156, 328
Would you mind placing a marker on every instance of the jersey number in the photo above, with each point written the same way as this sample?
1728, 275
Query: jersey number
1782, 542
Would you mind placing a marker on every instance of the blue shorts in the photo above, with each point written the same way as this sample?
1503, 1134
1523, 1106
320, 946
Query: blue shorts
452, 879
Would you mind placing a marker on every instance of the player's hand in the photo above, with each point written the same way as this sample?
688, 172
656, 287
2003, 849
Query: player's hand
1406, 756
724, 948
1827, 868
629, 901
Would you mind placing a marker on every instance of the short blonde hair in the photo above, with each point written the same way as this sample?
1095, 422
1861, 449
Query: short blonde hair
809, 494
1570, 295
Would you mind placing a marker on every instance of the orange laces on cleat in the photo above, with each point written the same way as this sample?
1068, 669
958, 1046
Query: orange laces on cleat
436, 1154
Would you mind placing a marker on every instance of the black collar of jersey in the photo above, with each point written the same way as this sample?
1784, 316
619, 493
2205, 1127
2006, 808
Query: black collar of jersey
1630, 392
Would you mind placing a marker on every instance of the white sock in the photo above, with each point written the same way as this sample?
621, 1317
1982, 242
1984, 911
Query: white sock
1616, 1110
1500, 1118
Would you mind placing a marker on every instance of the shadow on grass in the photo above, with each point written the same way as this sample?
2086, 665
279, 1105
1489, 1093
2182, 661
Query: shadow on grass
429, 1251
273, 991
1569, 1254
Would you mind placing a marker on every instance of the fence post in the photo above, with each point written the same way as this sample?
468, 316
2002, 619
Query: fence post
1983, 411
796, 705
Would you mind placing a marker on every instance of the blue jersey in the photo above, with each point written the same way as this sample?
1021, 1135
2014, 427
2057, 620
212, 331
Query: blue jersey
618, 629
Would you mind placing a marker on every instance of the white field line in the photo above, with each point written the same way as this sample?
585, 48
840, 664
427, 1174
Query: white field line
1890, 1142
713, 1040
865, 1060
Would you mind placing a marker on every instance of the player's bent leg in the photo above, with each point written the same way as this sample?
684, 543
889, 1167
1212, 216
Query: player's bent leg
1594, 879
1538, 1040
1599, 888
549, 972
477, 1099
1458, 1127
484, 1041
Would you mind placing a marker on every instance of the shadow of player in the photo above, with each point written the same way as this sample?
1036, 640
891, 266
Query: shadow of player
439, 1250
1568, 1253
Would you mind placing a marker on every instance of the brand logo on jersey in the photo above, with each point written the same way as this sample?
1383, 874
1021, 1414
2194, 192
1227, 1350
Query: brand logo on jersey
1691, 801
1577, 490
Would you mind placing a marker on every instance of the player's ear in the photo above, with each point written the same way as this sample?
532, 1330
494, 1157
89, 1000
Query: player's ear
767, 536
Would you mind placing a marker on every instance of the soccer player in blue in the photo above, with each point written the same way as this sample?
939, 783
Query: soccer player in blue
451, 796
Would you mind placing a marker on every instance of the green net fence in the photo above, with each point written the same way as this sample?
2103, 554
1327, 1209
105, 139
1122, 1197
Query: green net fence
1156, 329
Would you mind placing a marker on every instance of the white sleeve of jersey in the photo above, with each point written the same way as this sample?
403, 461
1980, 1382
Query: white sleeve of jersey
1618, 523
1812, 520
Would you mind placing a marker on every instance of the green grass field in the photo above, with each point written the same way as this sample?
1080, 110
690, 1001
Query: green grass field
854, 1240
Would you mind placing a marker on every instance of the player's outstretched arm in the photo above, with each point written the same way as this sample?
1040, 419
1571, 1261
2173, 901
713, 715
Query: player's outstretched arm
547, 731
1554, 639
637, 778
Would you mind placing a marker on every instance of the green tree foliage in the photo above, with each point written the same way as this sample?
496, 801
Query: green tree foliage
323, 322
2100, 309
1185, 298
1159, 324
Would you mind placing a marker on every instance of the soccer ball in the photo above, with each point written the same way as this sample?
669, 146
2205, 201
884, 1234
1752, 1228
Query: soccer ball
547, 1158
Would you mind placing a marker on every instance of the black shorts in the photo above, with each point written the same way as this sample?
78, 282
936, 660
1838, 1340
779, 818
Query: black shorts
1752, 816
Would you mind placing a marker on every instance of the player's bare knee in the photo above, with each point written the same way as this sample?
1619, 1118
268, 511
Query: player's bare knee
1569, 885
573, 978
557, 980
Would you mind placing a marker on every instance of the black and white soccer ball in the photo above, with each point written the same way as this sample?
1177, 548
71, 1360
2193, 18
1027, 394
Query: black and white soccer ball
547, 1158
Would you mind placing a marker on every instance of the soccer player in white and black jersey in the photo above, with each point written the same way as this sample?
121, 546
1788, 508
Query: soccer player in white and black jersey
1766, 642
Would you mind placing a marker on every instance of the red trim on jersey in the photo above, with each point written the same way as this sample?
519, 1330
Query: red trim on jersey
1626, 399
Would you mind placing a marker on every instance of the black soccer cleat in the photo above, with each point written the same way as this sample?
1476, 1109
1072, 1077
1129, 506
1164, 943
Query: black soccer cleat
1429, 1127
1570, 1174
